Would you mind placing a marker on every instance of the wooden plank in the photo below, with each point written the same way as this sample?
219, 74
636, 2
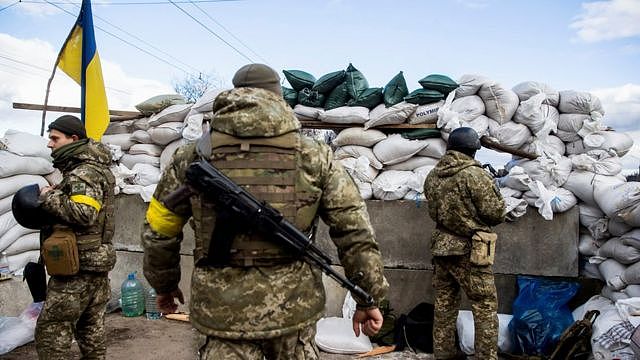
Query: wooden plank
316, 124
69, 109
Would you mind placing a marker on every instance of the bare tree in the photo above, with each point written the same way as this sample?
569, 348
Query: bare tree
192, 87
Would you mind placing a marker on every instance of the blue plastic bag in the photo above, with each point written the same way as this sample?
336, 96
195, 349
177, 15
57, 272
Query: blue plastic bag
540, 314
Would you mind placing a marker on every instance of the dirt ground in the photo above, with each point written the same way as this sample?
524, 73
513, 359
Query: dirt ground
139, 338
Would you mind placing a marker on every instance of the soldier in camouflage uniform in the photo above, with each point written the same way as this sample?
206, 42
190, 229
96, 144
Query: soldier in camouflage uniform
462, 201
265, 301
84, 202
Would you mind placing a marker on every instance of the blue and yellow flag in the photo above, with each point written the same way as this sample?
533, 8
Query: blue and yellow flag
79, 59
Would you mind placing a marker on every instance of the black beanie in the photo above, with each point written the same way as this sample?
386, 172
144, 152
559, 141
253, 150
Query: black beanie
258, 76
69, 125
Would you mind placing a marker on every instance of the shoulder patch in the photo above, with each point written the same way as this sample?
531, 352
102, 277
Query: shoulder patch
78, 188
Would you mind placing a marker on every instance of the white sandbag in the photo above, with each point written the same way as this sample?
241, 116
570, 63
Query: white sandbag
205, 102
630, 276
620, 202
468, 107
146, 174
611, 268
11, 184
572, 123
148, 149
596, 302
590, 271
588, 246
359, 168
594, 220
619, 142
141, 124
525, 90
550, 201
173, 113
168, 152
122, 140
335, 335
129, 160
395, 149
192, 130
509, 192
356, 151
541, 119
500, 102
24, 243
147, 192
119, 127
551, 171
7, 221
517, 179
546, 146
436, 148
304, 112
359, 136
631, 238
141, 136
598, 161
469, 84
618, 228
480, 125
13, 234
567, 136
575, 102
396, 114
583, 183
26, 144
509, 134
55, 177
121, 174
12, 164
345, 115
426, 114
615, 249
614, 295
165, 133
633, 291
413, 163
365, 189
392, 184
5, 205
115, 151
562, 200
19, 261
466, 332
575, 147
414, 195
514, 208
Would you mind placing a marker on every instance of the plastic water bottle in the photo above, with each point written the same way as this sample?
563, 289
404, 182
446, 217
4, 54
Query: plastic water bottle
151, 306
132, 296
4, 263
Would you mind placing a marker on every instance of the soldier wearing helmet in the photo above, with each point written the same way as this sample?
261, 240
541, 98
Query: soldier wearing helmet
264, 301
464, 203
83, 204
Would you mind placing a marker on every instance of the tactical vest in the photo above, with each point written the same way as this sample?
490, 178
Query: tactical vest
268, 169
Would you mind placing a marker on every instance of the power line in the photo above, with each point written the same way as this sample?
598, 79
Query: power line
142, 40
23, 70
24, 63
126, 3
211, 31
10, 5
125, 41
225, 29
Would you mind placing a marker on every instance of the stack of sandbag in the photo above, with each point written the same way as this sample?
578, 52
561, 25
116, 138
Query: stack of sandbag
24, 160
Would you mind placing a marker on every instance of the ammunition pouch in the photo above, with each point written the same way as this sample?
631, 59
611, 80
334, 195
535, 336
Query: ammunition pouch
483, 248
60, 253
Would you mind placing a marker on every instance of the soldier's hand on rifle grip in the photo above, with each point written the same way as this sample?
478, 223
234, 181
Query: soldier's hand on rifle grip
369, 320
165, 302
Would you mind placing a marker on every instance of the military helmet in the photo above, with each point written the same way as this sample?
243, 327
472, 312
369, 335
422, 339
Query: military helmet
464, 139
26, 208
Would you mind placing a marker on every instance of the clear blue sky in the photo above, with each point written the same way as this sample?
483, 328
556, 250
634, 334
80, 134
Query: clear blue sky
569, 44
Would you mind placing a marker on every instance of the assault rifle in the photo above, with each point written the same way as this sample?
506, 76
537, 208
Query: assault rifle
241, 207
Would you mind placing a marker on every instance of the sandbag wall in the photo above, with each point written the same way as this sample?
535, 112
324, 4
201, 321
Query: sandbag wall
24, 160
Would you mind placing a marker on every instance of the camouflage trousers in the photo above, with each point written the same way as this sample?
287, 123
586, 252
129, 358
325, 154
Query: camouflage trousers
299, 345
74, 307
453, 273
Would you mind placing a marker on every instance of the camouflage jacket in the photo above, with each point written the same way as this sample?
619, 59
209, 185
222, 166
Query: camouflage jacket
266, 301
84, 202
462, 199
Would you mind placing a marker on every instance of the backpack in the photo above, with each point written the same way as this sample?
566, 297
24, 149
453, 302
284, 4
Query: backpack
415, 330
575, 342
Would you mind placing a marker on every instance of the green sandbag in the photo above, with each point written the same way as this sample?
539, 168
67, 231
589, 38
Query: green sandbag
338, 97
395, 90
299, 79
311, 98
419, 134
438, 82
356, 82
369, 98
290, 96
424, 96
328, 82
159, 103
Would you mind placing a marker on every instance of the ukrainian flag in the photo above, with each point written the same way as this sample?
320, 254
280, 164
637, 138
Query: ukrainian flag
79, 59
